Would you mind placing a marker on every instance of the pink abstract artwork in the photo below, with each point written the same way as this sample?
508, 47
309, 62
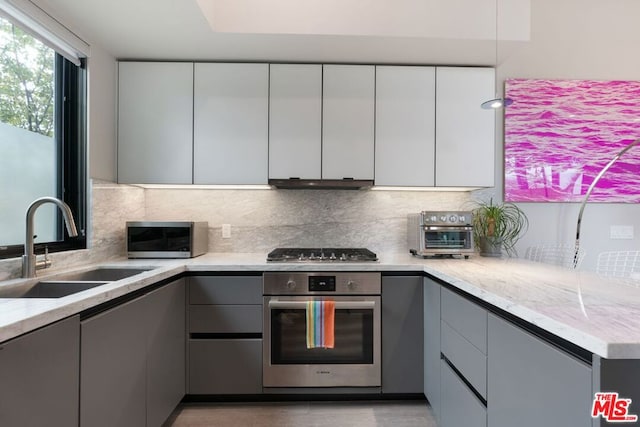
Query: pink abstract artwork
560, 133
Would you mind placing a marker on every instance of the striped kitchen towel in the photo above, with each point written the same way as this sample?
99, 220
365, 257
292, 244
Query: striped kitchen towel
320, 322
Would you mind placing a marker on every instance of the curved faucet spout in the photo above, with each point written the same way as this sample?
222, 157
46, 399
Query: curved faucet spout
29, 258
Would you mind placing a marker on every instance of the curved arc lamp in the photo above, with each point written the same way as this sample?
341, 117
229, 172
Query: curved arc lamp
591, 187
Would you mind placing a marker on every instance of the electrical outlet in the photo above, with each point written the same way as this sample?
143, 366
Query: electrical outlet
621, 232
226, 231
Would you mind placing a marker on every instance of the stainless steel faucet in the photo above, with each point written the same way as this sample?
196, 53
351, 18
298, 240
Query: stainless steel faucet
29, 263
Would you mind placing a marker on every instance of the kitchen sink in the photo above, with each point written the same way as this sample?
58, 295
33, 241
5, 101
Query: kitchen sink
67, 284
48, 289
101, 274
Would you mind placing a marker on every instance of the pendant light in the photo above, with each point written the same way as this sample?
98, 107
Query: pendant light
497, 102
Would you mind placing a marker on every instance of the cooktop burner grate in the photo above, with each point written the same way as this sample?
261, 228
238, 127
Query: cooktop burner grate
321, 255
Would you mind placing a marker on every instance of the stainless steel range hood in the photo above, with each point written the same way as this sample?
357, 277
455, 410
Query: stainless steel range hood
321, 184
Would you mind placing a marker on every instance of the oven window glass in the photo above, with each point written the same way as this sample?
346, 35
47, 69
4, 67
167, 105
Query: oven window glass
448, 239
353, 331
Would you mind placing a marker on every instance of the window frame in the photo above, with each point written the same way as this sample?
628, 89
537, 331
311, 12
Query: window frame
70, 133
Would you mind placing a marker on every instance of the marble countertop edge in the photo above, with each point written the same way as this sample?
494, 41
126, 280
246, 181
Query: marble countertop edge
545, 306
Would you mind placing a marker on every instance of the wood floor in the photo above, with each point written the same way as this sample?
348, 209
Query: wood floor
304, 414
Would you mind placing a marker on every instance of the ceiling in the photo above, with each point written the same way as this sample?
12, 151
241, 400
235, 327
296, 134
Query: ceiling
358, 31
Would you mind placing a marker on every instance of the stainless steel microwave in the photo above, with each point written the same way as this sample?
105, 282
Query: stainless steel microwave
167, 239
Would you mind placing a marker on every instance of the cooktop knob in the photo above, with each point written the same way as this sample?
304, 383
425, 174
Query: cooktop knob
332, 257
291, 284
453, 218
443, 218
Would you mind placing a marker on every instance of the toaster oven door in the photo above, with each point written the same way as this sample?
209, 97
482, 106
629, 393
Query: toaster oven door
448, 239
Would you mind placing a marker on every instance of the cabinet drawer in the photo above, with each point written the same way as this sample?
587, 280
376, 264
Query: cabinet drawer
225, 319
458, 405
467, 359
225, 290
466, 318
225, 366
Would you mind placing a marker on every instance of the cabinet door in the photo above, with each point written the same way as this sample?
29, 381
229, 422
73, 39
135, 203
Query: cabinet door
295, 124
225, 366
402, 334
166, 349
405, 126
348, 121
465, 133
528, 378
113, 367
155, 122
39, 377
225, 290
459, 405
230, 123
432, 344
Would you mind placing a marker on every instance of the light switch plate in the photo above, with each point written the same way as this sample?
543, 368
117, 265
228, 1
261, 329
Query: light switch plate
621, 232
226, 231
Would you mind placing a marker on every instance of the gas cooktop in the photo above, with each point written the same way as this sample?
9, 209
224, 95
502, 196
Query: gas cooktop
321, 255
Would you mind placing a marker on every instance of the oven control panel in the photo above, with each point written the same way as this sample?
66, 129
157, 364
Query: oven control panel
445, 218
322, 283
317, 283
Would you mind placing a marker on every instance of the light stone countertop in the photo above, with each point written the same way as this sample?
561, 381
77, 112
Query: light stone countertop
599, 315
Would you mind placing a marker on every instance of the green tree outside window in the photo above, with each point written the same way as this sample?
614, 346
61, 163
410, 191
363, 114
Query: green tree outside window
26, 81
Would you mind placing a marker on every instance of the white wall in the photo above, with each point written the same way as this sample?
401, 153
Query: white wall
576, 39
101, 94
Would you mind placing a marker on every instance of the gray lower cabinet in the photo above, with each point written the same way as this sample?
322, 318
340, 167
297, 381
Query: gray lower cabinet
225, 366
402, 334
432, 344
532, 383
463, 368
131, 361
166, 355
39, 377
459, 406
225, 335
113, 367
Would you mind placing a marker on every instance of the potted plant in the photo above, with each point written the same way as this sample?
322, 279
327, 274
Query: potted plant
497, 227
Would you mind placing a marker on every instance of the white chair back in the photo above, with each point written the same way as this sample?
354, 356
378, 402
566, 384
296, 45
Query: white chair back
620, 264
561, 254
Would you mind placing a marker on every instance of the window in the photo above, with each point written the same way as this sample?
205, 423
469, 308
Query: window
42, 141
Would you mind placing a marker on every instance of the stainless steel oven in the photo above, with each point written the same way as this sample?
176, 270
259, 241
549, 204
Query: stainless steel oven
438, 233
354, 360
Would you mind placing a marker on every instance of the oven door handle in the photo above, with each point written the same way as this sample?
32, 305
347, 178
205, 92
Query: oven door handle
340, 305
448, 228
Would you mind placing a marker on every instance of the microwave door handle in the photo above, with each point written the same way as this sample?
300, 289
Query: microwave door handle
340, 305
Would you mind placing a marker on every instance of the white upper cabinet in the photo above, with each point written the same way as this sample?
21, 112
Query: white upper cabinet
348, 121
155, 117
230, 124
405, 123
295, 121
465, 133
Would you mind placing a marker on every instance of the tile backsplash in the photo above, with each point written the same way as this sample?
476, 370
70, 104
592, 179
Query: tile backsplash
260, 220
